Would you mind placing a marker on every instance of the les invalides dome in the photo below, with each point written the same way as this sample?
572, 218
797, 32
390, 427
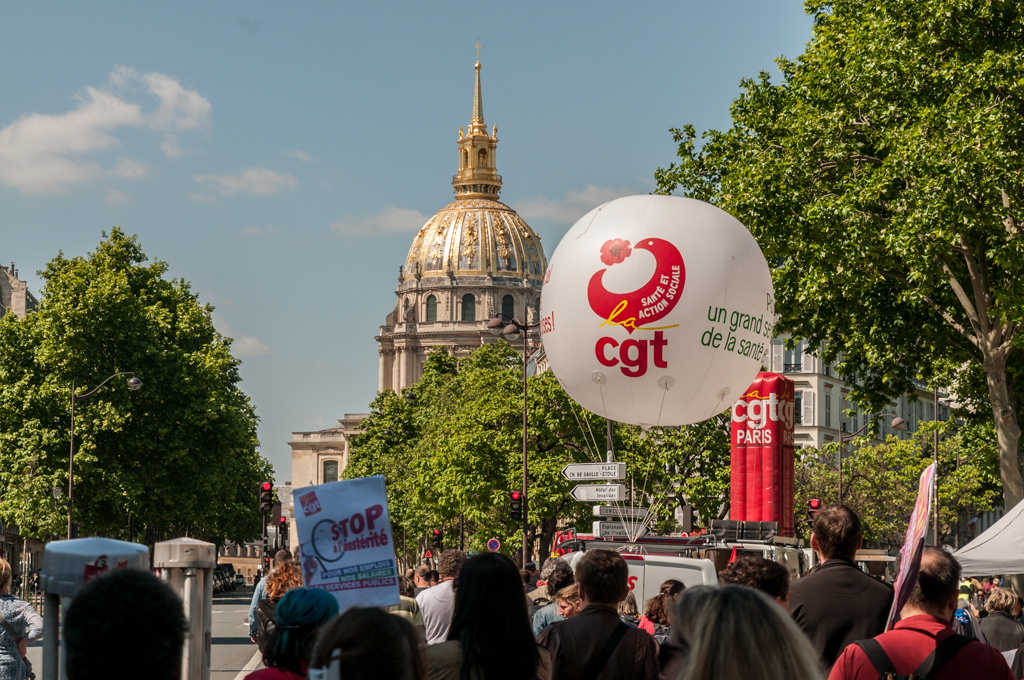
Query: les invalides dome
476, 257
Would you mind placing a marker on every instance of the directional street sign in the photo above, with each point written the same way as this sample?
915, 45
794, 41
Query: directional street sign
599, 492
584, 471
617, 512
629, 530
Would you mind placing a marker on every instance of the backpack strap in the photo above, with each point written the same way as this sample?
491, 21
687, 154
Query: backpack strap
942, 653
877, 656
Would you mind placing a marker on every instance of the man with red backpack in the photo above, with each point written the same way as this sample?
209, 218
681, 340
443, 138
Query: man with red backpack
922, 644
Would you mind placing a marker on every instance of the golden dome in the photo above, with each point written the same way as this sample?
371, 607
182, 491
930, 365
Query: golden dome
476, 237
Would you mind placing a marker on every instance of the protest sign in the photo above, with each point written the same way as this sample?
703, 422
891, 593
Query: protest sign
345, 541
913, 545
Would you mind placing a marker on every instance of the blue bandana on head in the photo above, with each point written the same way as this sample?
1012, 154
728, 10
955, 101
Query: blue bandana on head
963, 617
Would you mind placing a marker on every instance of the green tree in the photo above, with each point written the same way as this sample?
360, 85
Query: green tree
883, 174
880, 481
178, 456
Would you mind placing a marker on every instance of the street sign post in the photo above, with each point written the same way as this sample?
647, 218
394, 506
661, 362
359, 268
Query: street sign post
599, 492
630, 530
493, 545
596, 471
620, 513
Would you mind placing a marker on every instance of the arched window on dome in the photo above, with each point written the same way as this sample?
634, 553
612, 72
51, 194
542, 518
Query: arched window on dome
508, 307
431, 309
468, 307
481, 158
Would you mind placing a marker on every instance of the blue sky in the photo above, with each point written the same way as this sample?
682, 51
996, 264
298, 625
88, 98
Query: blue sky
281, 156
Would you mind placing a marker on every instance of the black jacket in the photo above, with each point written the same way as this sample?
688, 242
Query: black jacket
1002, 631
837, 605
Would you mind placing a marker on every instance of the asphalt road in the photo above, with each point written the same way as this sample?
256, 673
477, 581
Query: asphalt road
233, 655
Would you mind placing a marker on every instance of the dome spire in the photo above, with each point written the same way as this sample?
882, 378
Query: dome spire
478, 176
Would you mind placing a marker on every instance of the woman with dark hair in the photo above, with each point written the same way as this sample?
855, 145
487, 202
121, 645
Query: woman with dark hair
300, 613
367, 643
659, 607
490, 637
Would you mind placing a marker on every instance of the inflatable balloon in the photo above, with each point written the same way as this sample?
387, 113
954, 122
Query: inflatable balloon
657, 310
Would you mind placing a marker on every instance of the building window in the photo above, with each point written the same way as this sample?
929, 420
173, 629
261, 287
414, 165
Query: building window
330, 471
798, 404
828, 410
431, 309
792, 359
508, 307
468, 308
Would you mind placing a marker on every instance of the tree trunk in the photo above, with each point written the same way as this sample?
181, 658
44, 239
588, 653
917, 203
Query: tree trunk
1004, 415
547, 536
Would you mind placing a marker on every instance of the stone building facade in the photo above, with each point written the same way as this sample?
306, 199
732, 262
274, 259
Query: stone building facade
14, 294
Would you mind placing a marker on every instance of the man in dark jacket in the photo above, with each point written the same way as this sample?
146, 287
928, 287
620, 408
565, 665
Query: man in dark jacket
1000, 628
596, 643
838, 603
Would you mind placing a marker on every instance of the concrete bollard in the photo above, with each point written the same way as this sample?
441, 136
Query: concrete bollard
187, 566
67, 566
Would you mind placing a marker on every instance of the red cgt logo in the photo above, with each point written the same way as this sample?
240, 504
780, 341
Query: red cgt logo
649, 303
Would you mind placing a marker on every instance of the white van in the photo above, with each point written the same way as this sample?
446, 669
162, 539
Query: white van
648, 572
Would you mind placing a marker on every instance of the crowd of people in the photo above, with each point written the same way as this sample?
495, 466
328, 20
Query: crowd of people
482, 618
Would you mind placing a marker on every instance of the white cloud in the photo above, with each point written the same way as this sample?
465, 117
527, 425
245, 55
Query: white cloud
391, 219
126, 168
259, 231
48, 153
249, 346
574, 205
262, 181
171, 149
301, 155
115, 197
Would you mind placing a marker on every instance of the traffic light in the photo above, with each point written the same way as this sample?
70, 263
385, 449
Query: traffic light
515, 506
813, 506
282, 522
266, 496
436, 539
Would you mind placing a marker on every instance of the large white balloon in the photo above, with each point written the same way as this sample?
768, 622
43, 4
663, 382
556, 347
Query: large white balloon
657, 310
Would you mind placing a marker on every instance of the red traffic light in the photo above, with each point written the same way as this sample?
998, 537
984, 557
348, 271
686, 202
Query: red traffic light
267, 486
516, 495
282, 520
437, 532
814, 503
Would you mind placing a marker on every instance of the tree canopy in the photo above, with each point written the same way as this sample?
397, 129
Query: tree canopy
179, 455
882, 175
451, 451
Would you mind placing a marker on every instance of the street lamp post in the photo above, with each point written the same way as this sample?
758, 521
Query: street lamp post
897, 424
512, 331
133, 384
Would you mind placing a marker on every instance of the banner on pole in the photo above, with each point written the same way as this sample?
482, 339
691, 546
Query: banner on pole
345, 541
913, 545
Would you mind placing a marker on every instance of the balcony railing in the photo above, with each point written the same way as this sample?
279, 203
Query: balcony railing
792, 368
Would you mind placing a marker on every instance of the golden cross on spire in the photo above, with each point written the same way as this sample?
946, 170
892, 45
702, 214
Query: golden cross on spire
478, 46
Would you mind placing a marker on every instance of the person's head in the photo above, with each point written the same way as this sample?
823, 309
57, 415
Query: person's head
531, 567
126, 623
756, 572
449, 563
936, 591
963, 603
422, 576
672, 587
367, 643
657, 608
435, 577
490, 619
405, 587
525, 575
1001, 600
603, 577
299, 614
568, 601
549, 566
280, 557
628, 605
1020, 606
836, 532
5, 575
714, 626
559, 577
297, 554
410, 574
284, 577
987, 580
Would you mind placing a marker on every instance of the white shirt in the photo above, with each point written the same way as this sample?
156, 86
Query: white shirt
436, 606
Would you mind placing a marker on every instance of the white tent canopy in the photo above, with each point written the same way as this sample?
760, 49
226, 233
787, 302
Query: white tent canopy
998, 550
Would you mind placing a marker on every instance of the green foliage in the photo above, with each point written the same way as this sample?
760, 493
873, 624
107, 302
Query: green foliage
451, 451
881, 481
882, 176
179, 455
